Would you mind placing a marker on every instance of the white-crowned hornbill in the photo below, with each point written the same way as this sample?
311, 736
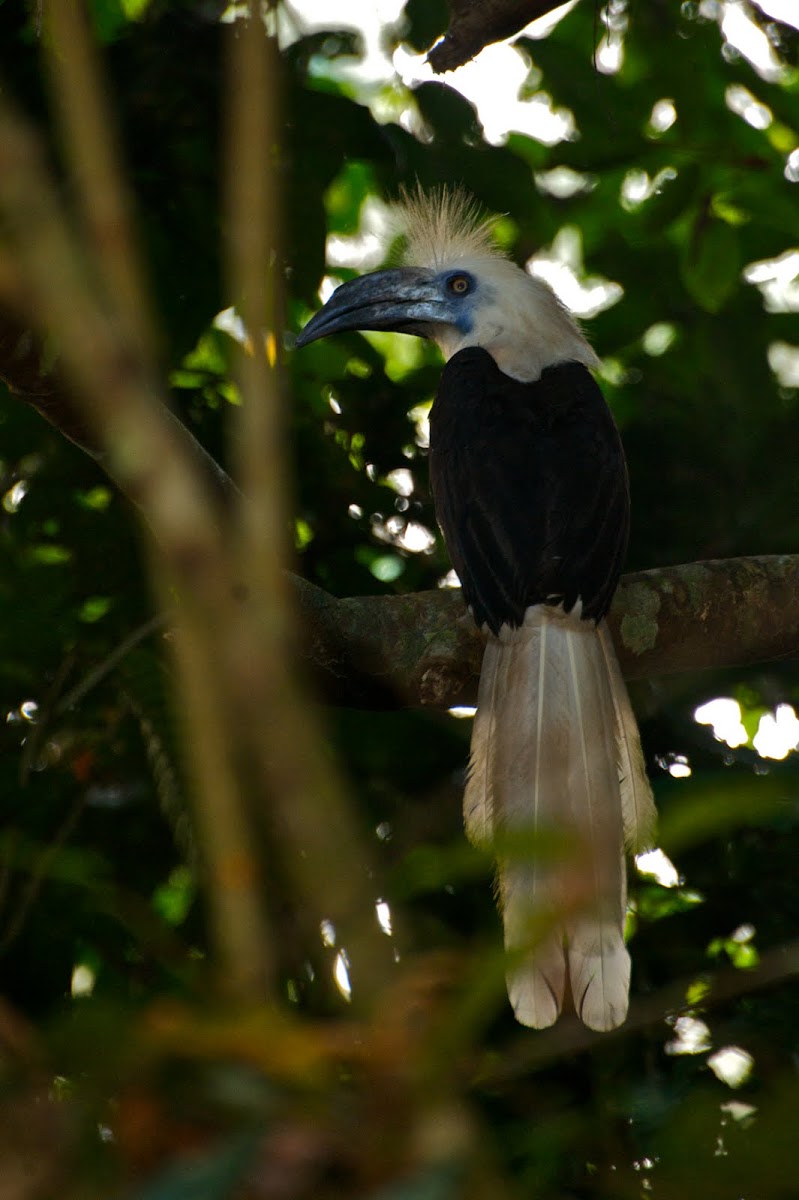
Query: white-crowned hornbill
530, 488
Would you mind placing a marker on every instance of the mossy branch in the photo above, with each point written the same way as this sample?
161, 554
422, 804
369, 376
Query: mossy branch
424, 650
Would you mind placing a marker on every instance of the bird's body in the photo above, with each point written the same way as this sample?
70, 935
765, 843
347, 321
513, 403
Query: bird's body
530, 489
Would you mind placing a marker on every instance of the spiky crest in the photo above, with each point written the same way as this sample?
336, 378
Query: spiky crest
443, 226
517, 319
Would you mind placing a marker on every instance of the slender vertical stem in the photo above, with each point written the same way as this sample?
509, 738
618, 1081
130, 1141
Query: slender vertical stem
232, 865
253, 237
326, 855
83, 112
113, 383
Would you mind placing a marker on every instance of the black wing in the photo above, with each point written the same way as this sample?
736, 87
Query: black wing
530, 488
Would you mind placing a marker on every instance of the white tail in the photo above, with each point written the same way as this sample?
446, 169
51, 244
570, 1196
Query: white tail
555, 750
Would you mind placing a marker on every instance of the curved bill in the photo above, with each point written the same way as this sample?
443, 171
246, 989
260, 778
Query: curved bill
401, 299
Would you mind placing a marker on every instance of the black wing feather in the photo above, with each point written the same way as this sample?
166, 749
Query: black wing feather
530, 488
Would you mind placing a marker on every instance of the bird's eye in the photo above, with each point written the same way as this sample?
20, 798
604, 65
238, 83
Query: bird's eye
459, 284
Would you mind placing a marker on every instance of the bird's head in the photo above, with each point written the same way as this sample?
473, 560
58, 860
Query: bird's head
457, 289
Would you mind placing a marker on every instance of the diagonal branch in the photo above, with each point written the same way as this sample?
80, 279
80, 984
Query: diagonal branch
475, 24
31, 377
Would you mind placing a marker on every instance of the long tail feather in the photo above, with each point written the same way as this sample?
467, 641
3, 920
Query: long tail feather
637, 802
551, 738
599, 965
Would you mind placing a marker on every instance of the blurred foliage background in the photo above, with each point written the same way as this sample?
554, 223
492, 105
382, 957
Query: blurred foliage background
644, 158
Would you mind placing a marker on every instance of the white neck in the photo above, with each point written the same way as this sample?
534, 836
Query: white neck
521, 324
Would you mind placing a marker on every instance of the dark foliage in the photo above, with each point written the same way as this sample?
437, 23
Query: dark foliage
97, 892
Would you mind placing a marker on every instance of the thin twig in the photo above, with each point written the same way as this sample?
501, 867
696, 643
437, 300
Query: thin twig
38, 875
82, 109
103, 669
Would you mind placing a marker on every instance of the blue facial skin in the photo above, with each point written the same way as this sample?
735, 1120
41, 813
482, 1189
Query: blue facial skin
462, 303
460, 287
404, 299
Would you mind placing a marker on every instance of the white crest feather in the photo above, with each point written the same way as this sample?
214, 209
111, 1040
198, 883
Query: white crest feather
443, 226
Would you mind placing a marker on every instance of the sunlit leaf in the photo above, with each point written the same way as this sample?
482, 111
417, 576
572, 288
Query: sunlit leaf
174, 898
95, 608
50, 554
97, 498
134, 9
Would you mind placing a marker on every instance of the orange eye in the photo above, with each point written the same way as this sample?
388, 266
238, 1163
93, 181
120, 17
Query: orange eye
459, 284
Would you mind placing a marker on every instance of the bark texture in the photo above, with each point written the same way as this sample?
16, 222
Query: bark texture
424, 650
477, 23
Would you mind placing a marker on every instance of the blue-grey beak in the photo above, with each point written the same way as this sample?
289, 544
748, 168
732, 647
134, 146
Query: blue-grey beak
402, 299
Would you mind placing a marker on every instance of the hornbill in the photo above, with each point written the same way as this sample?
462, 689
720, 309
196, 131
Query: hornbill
530, 489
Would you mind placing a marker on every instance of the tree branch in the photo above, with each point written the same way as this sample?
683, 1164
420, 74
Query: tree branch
28, 375
423, 649
474, 24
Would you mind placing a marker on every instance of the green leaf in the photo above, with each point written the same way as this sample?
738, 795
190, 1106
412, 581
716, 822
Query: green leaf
387, 567
173, 899
712, 265
134, 9
97, 499
94, 609
108, 18
712, 805
673, 197
656, 903
50, 555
